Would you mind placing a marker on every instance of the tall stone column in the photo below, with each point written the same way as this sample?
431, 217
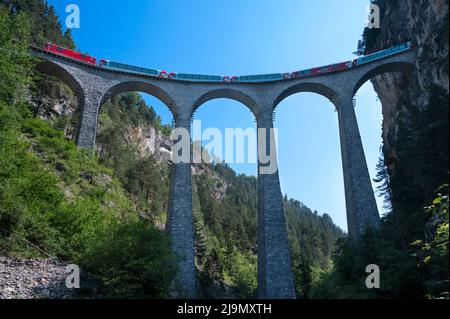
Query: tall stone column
275, 276
180, 219
87, 125
362, 211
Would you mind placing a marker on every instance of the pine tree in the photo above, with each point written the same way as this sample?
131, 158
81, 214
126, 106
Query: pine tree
200, 242
304, 267
384, 187
67, 40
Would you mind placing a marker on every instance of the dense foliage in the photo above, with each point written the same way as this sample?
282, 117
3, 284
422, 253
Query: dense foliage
42, 20
145, 178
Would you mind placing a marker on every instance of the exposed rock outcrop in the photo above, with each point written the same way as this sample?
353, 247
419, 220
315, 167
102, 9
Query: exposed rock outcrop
52, 99
219, 185
425, 22
150, 141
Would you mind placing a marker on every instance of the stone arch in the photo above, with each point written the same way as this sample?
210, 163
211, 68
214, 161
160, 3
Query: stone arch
54, 69
311, 87
140, 86
231, 94
389, 67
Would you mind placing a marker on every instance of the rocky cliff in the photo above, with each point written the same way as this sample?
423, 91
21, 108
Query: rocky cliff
425, 22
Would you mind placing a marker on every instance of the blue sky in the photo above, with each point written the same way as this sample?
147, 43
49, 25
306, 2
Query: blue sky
238, 37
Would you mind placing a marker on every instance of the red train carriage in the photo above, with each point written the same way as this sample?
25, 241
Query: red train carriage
70, 53
331, 68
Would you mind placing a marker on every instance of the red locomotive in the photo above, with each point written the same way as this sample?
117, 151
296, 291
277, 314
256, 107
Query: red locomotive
70, 53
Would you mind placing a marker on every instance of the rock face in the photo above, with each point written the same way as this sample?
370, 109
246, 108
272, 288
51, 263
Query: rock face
218, 187
33, 278
53, 100
150, 141
425, 22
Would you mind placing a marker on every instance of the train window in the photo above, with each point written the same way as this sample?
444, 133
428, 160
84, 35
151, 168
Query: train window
59, 49
83, 56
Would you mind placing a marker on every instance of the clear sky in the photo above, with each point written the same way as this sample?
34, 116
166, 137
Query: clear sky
239, 37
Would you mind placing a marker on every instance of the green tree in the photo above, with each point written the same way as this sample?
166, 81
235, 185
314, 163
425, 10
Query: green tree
15, 61
304, 267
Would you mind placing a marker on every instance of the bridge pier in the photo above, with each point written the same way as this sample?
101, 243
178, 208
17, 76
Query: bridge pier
180, 223
275, 276
362, 211
87, 125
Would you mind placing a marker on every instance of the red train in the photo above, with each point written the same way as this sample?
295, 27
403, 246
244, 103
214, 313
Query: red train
70, 53
317, 71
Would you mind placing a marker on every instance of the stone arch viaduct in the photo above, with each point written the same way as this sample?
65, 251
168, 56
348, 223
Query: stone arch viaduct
94, 85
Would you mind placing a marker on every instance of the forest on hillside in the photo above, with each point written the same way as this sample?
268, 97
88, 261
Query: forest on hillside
106, 212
